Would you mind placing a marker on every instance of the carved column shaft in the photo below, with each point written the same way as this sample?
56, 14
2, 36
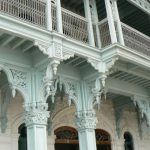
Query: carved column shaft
86, 123
36, 116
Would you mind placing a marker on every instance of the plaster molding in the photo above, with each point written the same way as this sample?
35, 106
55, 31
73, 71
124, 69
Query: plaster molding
85, 120
36, 113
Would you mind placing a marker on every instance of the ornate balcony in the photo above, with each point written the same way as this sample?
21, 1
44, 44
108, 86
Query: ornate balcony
74, 26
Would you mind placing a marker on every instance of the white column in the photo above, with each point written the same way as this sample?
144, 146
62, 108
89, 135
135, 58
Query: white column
95, 19
49, 15
119, 28
86, 124
59, 17
90, 25
111, 22
36, 116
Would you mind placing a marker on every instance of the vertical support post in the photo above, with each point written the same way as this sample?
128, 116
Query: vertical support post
59, 17
111, 24
95, 19
49, 15
119, 28
36, 116
86, 124
90, 25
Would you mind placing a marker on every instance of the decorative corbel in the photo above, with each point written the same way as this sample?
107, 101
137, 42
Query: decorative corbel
98, 90
50, 80
104, 69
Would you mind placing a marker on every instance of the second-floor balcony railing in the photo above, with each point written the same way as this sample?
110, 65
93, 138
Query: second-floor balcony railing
74, 26
133, 39
34, 11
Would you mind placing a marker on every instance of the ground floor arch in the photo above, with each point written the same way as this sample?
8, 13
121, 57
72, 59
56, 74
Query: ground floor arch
67, 138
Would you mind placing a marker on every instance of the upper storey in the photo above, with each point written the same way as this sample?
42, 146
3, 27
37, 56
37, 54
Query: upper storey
91, 25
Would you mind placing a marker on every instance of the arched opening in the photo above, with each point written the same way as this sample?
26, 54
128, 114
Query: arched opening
67, 138
103, 140
22, 141
128, 143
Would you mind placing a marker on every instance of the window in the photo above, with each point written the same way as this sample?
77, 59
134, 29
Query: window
128, 144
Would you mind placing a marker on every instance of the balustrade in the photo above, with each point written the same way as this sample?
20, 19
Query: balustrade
74, 26
32, 11
136, 40
133, 38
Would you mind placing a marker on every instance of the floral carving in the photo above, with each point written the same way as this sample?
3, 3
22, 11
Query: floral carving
86, 120
19, 78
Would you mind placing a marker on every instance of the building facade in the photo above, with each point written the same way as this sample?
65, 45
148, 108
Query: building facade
74, 74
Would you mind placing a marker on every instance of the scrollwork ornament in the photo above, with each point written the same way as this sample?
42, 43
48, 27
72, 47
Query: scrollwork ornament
71, 90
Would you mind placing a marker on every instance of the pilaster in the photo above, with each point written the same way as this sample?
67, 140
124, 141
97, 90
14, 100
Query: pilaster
36, 116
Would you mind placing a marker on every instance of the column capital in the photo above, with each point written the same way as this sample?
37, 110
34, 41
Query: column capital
36, 113
86, 120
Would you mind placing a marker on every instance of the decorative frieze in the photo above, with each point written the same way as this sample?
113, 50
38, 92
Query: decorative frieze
36, 113
86, 120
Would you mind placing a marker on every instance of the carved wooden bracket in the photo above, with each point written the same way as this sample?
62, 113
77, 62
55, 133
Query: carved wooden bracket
55, 50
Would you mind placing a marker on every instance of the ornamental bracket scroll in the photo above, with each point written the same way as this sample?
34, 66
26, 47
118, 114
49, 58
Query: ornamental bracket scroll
50, 79
104, 69
55, 50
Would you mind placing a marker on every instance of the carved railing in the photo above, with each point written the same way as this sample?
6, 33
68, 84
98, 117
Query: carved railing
133, 38
74, 26
136, 40
32, 11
